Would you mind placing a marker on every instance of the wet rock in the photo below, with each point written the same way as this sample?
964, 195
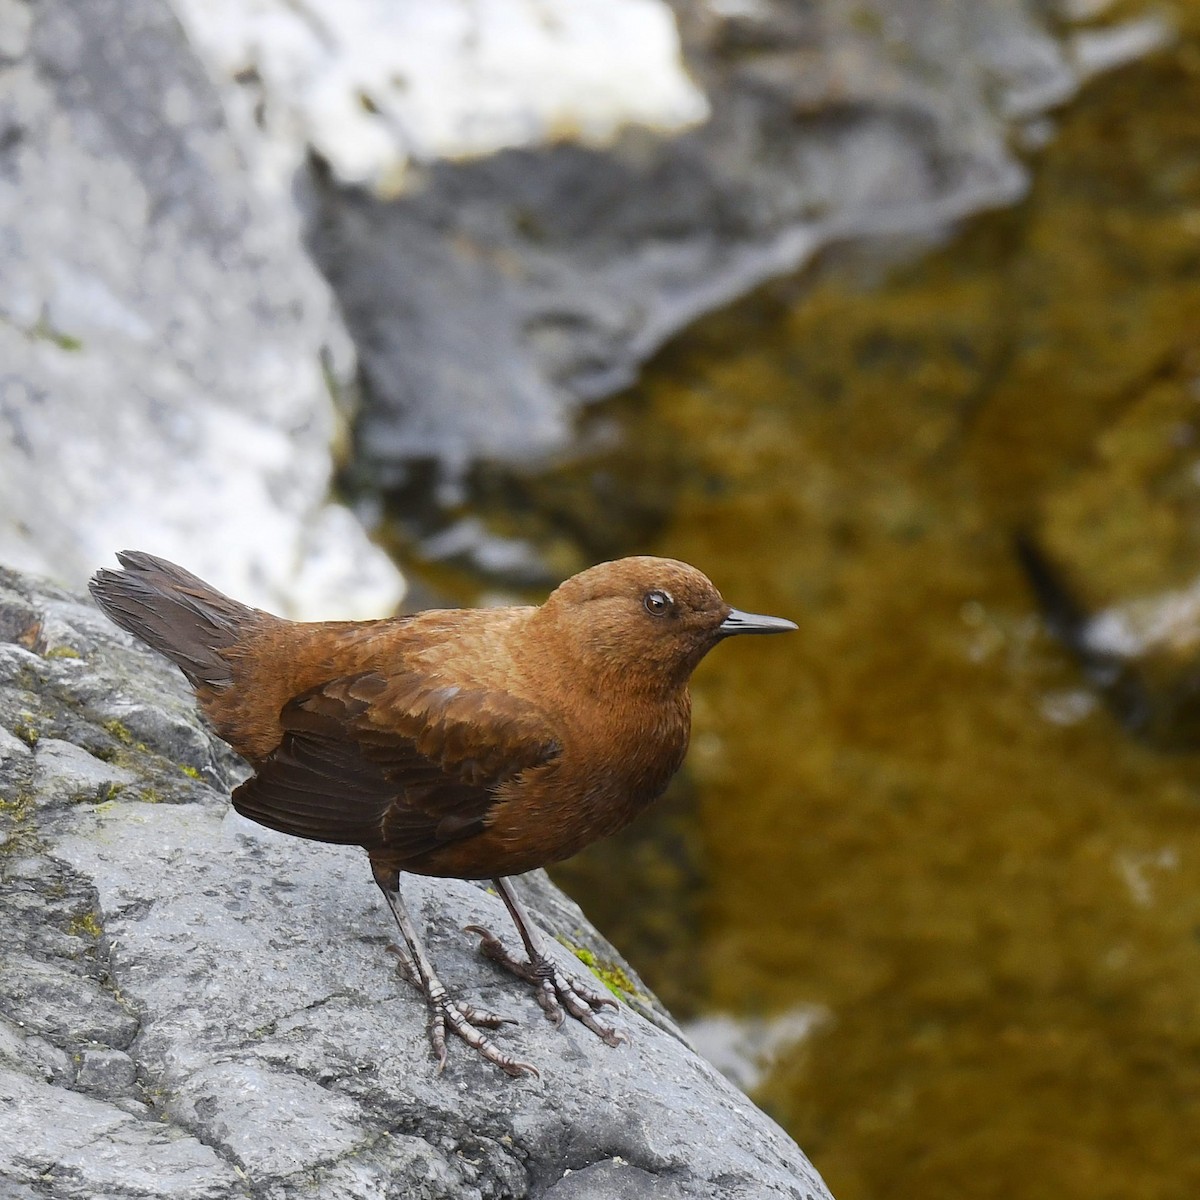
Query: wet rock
194, 1006
1139, 656
616, 1178
493, 298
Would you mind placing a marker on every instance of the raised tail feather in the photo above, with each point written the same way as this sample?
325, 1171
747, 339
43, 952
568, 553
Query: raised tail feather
175, 613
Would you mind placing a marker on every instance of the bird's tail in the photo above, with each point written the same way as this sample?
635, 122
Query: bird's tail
175, 613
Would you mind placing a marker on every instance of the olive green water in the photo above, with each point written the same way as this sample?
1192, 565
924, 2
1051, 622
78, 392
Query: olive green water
912, 812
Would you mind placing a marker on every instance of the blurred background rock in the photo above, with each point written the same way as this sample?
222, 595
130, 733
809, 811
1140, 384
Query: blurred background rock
844, 302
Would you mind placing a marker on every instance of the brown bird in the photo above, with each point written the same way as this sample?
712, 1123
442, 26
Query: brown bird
471, 744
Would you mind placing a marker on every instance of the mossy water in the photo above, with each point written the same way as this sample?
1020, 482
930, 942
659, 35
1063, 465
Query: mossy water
914, 813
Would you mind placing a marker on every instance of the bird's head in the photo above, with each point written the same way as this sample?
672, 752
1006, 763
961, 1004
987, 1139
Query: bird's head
647, 621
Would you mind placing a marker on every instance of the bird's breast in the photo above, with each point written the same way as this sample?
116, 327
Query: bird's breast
611, 766
610, 769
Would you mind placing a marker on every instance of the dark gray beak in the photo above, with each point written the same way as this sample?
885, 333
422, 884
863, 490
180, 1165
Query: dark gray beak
740, 622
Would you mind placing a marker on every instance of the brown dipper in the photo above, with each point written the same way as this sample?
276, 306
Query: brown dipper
472, 743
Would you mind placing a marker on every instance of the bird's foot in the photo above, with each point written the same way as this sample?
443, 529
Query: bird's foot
464, 1021
554, 989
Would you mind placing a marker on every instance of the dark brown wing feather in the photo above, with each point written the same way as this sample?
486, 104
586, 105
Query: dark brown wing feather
393, 763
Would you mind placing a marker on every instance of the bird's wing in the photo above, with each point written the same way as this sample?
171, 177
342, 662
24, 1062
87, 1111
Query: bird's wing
393, 762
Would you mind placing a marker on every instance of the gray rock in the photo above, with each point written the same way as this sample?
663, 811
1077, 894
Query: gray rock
63, 1005
614, 1178
106, 1072
374, 88
12, 749
69, 772
69, 1145
34, 1054
194, 1006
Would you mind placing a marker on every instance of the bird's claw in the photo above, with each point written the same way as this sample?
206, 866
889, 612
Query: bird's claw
553, 988
464, 1021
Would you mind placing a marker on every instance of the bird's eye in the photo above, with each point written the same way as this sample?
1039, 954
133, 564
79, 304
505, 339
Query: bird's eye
658, 603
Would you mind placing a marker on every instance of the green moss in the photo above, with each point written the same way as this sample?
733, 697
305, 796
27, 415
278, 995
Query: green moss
611, 974
119, 731
87, 925
866, 21
16, 823
190, 772
16, 808
63, 652
26, 730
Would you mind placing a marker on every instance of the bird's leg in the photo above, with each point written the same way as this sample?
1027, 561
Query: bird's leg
445, 1012
555, 990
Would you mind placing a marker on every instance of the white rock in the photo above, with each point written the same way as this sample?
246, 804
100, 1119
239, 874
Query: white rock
167, 345
373, 85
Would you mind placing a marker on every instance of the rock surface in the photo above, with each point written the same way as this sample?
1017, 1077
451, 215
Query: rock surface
195, 1007
494, 298
168, 348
